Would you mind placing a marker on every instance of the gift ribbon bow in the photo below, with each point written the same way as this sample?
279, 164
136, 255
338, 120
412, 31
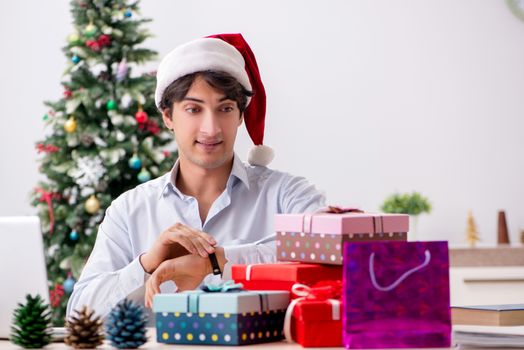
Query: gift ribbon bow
307, 221
48, 197
46, 148
340, 210
56, 294
193, 299
223, 287
308, 218
325, 290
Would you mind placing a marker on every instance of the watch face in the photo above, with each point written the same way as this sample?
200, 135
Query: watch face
517, 7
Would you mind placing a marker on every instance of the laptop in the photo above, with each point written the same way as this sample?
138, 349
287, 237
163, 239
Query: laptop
22, 266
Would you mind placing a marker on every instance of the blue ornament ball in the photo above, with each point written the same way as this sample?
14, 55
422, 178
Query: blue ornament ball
73, 235
69, 284
144, 176
75, 59
135, 162
128, 14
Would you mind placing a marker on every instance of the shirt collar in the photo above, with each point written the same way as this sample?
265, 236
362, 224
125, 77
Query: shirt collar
238, 171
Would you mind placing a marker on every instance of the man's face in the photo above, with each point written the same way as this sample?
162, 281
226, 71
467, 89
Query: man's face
205, 124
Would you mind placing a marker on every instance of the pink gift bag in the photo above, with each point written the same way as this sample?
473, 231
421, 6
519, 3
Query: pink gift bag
396, 295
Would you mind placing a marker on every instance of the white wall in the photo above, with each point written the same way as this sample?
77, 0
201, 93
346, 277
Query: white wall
364, 97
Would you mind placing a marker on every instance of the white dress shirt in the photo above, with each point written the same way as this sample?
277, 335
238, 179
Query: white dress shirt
241, 220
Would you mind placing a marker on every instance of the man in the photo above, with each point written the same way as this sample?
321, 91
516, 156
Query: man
211, 210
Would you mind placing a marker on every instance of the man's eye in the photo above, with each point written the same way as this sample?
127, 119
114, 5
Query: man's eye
228, 109
192, 110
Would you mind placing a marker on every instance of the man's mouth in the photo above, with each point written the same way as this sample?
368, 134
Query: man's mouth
209, 145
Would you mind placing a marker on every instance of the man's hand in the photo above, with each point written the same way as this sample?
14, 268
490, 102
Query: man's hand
186, 271
176, 241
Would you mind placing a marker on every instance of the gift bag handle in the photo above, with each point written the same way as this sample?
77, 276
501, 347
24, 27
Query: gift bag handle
401, 278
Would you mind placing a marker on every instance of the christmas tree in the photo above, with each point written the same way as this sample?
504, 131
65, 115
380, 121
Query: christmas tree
472, 234
103, 136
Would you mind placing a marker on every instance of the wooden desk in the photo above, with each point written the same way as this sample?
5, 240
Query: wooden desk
152, 344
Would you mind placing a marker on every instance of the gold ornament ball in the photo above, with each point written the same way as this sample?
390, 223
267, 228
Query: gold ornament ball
92, 205
70, 125
90, 30
73, 38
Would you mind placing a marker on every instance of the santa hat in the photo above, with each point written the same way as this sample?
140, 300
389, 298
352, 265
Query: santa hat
228, 53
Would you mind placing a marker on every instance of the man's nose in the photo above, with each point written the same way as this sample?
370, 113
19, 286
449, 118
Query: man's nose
210, 124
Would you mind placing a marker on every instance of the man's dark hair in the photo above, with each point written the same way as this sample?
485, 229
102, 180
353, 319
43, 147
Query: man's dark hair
224, 82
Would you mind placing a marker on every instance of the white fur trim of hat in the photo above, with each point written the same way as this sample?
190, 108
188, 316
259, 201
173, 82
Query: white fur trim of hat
197, 56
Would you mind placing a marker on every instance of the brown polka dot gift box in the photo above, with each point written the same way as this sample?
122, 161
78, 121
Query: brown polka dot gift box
319, 237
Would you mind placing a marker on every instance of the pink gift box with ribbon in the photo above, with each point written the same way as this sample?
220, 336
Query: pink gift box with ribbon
319, 237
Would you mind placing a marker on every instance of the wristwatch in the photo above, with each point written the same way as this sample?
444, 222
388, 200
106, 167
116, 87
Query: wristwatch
214, 264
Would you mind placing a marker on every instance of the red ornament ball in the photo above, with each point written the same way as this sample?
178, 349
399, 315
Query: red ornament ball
68, 93
104, 40
93, 45
141, 117
153, 127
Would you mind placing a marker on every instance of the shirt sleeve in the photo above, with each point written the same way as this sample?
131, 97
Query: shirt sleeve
297, 195
111, 272
260, 252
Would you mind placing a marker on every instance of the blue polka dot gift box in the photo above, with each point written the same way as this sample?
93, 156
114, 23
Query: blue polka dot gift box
220, 318
319, 237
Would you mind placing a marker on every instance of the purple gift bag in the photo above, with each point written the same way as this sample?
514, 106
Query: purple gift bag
396, 295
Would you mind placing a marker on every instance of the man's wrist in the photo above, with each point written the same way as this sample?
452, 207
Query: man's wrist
221, 259
146, 264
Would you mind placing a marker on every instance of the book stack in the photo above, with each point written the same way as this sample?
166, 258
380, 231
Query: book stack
494, 326
489, 315
469, 336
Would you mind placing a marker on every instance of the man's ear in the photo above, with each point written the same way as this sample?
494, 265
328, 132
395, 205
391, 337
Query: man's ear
167, 118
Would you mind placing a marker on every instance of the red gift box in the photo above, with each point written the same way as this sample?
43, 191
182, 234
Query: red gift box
282, 276
314, 319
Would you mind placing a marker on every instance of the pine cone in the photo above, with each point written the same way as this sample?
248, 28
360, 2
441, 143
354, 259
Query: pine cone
31, 323
126, 325
84, 331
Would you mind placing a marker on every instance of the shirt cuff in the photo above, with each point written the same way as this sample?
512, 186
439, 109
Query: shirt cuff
132, 277
235, 254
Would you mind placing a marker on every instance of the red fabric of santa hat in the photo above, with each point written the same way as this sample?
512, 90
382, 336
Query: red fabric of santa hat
229, 53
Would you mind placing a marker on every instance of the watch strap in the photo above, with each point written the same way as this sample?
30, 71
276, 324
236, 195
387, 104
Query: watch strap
214, 264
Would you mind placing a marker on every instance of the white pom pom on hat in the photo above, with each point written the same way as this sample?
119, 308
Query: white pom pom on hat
229, 53
260, 155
